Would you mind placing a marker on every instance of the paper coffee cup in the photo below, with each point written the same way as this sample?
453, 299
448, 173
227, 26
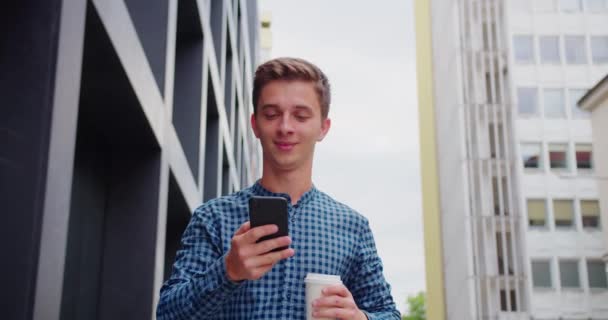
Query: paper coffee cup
315, 283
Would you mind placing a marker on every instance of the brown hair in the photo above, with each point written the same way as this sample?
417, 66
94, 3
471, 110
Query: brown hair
290, 69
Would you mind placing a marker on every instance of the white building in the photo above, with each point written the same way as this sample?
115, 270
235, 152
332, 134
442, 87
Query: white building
596, 102
517, 194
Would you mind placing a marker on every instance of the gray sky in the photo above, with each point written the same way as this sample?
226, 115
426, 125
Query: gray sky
370, 158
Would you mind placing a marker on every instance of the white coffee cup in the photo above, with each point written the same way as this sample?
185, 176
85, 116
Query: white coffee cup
315, 283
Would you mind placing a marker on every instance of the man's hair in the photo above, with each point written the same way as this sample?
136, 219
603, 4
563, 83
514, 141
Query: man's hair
291, 69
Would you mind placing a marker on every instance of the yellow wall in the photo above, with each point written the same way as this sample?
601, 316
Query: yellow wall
435, 298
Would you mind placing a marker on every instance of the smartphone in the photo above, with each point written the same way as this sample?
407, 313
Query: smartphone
269, 210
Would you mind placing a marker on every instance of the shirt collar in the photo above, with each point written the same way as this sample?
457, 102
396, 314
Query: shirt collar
259, 190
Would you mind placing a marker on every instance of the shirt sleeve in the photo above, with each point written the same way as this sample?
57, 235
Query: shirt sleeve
367, 284
198, 284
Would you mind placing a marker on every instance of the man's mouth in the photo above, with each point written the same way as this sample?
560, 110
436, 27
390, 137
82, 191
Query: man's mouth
284, 146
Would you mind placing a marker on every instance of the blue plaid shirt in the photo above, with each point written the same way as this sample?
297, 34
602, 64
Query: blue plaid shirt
327, 236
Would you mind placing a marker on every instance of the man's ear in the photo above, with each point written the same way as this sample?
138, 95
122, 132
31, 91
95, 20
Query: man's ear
254, 125
325, 125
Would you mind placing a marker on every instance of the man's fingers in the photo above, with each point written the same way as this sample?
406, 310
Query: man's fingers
271, 258
243, 228
256, 233
339, 290
268, 245
335, 313
333, 302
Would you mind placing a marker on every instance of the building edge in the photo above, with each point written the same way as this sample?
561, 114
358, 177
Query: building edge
435, 295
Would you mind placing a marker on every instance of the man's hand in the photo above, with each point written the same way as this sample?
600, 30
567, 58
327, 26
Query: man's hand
337, 302
248, 260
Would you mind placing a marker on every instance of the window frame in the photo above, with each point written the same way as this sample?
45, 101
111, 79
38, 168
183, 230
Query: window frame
572, 209
532, 59
545, 224
604, 59
584, 46
541, 157
599, 215
602, 270
603, 10
563, 114
552, 284
576, 112
579, 10
566, 168
577, 263
576, 162
536, 106
540, 50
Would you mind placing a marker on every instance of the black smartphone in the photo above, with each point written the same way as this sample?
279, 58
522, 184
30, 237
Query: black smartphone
269, 210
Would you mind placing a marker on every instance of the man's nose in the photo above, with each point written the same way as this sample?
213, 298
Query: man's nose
286, 124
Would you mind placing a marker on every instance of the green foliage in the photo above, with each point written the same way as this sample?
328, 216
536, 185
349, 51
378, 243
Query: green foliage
416, 307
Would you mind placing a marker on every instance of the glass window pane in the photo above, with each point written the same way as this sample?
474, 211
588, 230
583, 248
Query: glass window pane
554, 103
583, 156
532, 155
536, 212
574, 96
549, 49
523, 47
568, 274
563, 212
597, 6
570, 5
545, 5
599, 49
527, 101
576, 52
596, 272
541, 274
558, 156
590, 211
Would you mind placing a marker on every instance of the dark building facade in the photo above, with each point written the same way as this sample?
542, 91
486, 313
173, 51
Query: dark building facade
118, 118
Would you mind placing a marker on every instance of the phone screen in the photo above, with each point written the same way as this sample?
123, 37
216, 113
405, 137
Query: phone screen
269, 210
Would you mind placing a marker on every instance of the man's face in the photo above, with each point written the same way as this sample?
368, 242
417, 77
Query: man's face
289, 123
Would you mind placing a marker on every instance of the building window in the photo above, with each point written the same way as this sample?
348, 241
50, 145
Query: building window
523, 47
590, 211
541, 274
574, 96
498, 201
536, 212
576, 51
596, 272
527, 101
570, 6
504, 306
532, 155
558, 158
544, 5
549, 49
599, 49
597, 6
554, 103
583, 156
563, 213
568, 274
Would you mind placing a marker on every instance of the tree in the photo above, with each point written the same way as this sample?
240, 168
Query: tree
416, 307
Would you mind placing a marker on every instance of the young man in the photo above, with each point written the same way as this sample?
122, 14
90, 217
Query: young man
220, 272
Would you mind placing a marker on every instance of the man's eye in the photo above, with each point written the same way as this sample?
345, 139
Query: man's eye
302, 117
270, 115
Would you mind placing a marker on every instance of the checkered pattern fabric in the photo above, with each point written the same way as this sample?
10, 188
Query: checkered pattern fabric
327, 236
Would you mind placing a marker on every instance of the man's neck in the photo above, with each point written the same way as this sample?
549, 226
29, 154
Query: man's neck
294, 183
